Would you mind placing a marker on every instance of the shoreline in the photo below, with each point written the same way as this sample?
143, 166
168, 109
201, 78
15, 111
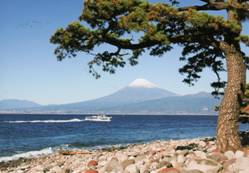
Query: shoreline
179, 156
51, 150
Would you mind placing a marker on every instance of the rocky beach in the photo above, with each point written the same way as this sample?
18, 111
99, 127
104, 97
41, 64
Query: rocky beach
174, 156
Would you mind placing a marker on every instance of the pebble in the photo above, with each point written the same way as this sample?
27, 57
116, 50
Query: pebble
114, 166
131, 169
182, 156
92, 163
169, 170
90, 171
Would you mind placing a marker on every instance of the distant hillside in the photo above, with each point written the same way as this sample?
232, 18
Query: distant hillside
140, 97
200, 103
17, 104
138, 91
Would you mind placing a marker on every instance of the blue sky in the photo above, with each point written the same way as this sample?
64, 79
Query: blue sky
29, 70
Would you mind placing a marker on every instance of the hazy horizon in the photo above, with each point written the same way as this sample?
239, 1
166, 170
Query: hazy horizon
131, 84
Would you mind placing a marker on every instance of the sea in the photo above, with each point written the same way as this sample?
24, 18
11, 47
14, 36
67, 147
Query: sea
29, 135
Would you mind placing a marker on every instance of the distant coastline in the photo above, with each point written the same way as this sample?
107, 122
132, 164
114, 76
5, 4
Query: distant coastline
124, 114
137, 98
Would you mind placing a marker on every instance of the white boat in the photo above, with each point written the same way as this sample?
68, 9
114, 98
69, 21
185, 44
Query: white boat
99, 117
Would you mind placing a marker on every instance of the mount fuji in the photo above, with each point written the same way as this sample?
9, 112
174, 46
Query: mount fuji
139, 97
139, 90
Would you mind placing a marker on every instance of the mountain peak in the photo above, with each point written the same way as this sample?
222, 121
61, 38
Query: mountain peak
142, 83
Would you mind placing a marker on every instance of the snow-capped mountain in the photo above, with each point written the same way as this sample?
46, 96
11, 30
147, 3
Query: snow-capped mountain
139, 97
137, 91
142, 83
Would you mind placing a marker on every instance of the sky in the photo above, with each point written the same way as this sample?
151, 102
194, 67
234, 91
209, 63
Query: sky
29, 70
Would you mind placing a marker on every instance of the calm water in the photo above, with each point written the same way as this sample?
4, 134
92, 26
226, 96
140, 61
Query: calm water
23, 133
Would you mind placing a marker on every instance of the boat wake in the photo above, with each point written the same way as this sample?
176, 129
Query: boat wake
47, 121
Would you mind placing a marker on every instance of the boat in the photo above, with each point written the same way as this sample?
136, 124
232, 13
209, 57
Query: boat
99, 117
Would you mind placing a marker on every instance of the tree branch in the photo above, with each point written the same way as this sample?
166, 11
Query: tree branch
208, 6
127, 44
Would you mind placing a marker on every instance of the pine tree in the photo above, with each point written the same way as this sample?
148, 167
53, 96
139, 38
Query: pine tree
132, 27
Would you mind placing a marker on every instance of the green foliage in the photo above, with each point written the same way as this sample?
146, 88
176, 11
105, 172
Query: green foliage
247, 91
131, 27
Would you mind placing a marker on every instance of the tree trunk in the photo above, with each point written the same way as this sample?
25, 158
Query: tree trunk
227, 129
